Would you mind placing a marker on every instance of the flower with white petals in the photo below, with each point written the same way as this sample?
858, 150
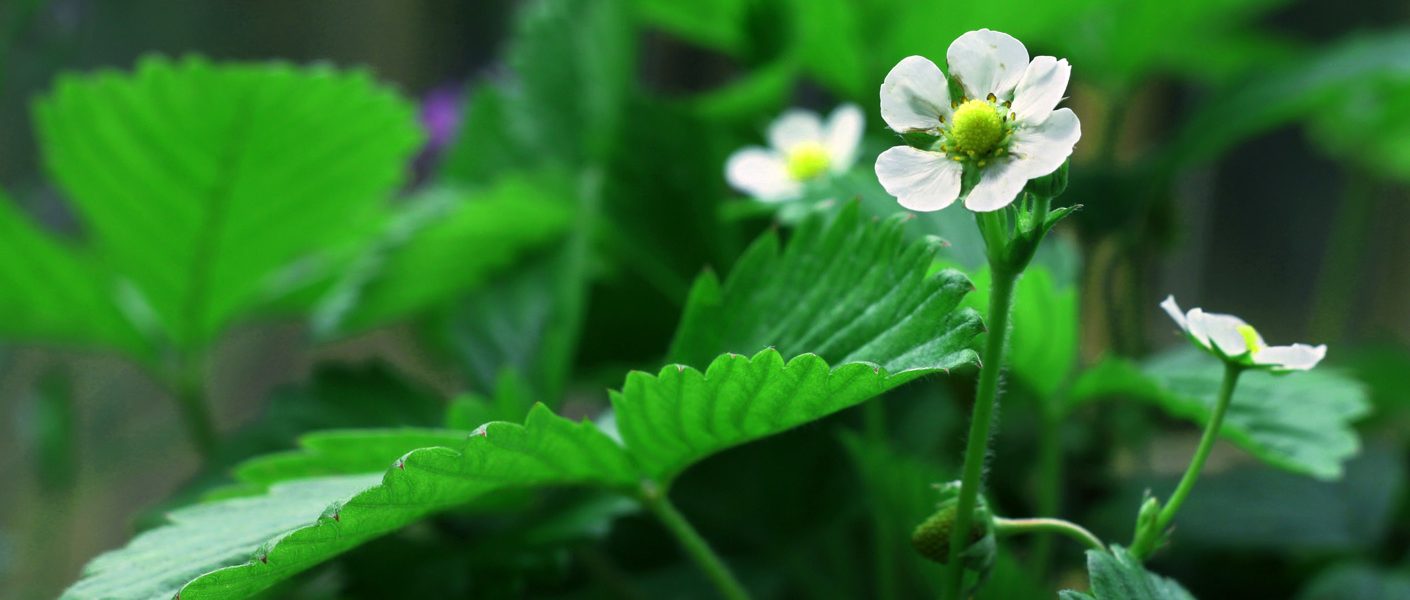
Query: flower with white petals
1233, 340
1004, 129
803, 149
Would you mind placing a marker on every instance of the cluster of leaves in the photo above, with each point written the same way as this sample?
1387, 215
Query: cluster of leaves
555, 248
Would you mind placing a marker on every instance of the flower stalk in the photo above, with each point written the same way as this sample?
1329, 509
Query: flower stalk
1150, 534
1049, 525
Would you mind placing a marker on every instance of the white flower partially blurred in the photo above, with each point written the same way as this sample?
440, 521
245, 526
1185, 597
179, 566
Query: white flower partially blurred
802, 149
1231, 339
1005, 127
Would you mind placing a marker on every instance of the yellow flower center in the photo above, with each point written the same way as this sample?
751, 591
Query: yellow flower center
808, 160
977, 128
1250, 338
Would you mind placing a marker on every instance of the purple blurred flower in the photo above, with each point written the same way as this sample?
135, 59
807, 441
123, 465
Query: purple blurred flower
440, 116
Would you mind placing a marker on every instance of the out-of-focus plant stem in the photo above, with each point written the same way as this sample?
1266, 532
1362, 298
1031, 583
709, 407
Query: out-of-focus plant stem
1336, 283
885, 558
191, 401
1049, 525
699, 550
1049, 480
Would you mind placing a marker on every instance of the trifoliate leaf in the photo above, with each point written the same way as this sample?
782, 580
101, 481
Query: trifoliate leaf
853, 289
1119, 576
203, 184
1300, 422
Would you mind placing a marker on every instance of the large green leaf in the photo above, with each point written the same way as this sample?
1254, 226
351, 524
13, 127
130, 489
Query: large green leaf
853, 289
236, 547
451, 241
52, 292
1119, 576
201, 184
665, 422
1300, 422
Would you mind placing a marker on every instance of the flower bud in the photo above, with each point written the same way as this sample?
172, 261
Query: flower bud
932, 537
1051, 185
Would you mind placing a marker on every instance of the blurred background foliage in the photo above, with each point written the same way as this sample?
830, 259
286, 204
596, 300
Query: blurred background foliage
510, 200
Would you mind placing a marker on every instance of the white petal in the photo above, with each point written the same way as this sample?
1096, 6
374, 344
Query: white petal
987, 62
762, 174
796, 126
1173, 309
1297, 357
842, 133
914, 95
921, 181
1000, 184
1043, 147
1196, 326
1041, 88
1221, 330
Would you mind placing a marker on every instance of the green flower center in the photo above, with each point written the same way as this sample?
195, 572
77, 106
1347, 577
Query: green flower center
977, 128
1250, 338
808, 160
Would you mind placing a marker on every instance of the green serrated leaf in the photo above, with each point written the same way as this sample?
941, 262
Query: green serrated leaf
236, 547
681, 415
1119, 576
447, 243
1300, 422
853, 289
200, 183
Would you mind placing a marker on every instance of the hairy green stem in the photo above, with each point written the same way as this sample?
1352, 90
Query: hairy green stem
1049, 525
1146, 540
699, 550
977, 448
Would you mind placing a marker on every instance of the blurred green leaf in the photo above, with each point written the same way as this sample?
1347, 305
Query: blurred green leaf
52, 292
715, 24
1300, 422
850, 290
1119, 44
447, 243
1278, 96
1368, 123
1119, 576
200, 183
1358, 581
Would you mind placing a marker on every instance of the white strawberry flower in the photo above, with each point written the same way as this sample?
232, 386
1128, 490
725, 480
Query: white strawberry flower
803, 149
1004, 128
1230, 338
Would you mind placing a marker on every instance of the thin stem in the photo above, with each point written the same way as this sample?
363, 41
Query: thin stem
694, 545
875, 417
1148, 539
977, 449
196, 415
1049, 482
1049, 525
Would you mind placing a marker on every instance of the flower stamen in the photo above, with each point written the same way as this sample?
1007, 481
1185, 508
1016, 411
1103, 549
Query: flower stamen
807, 161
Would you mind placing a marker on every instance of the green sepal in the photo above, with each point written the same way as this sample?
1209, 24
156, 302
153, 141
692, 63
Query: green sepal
1051, 185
